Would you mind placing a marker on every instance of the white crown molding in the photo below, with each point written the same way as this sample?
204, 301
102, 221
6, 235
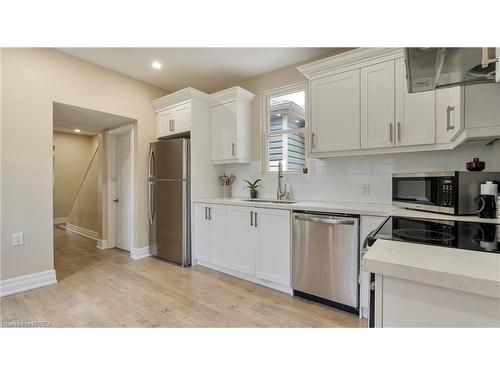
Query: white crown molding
139, 253
102, 244
60, 220
347, 59
178, 97
82, 231
27, 282
232, 93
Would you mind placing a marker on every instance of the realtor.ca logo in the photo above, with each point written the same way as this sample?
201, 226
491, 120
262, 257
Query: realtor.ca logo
25, 324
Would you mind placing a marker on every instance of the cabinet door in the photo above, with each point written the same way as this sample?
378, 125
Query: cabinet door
273, 245
415, 113
335, 112
201, 233
377, 105
163, 123
449, 113
223, 126
241, 239
482, 105
218, 244
182, 118
368, 223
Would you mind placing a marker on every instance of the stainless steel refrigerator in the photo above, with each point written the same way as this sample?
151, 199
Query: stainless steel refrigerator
169, 201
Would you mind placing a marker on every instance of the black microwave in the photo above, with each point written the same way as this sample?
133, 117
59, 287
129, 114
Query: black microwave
444, 192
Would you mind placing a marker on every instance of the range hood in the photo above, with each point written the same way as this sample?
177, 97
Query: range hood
432, 68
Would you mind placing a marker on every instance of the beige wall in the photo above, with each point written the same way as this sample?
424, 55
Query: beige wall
268, 81
32, 79
72, 156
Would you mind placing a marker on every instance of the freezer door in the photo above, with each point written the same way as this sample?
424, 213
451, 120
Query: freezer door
169, 225
170, 159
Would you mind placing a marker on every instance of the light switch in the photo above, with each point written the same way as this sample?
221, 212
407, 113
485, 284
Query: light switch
18, 239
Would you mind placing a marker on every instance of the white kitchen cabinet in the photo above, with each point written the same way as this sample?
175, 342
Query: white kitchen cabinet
367, 225
449, 113
482, 106
415, 121
201, 238
174, 112
230, 119
335, 112
241, 239
273, 245
246, 242
377, 105
210, 234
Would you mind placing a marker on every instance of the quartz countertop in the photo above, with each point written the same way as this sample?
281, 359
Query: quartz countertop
464, 270
355, 208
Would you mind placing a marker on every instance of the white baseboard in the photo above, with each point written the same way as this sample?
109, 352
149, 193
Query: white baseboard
27, 282
82, 231
60, 220
102, 244
139, 253
253, 279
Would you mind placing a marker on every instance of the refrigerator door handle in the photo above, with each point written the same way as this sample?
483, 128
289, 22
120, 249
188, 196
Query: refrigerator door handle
151, 202
151, 163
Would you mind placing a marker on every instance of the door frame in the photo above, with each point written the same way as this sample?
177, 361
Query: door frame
111, 136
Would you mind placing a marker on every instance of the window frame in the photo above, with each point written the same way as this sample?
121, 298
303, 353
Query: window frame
265, 122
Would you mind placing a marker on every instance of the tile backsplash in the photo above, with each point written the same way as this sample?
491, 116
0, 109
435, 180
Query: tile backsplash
358, 178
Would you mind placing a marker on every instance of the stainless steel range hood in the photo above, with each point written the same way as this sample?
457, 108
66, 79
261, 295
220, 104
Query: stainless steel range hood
432, 68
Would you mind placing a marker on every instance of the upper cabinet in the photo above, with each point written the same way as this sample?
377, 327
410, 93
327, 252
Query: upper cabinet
415, 121
377, 105
175, 111
359, 104
230, 123
335, 112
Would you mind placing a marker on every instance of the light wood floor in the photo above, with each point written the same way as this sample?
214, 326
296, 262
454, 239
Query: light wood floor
105, 288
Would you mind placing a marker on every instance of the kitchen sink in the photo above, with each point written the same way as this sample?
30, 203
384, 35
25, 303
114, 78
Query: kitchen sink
270, 201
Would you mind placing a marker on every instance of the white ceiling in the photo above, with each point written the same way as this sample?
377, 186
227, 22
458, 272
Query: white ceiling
68, 117
206, 69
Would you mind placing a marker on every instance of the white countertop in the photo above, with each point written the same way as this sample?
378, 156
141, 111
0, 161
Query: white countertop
463, 270
356, 208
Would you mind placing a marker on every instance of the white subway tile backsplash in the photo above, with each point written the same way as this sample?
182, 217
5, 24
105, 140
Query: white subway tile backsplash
341, 179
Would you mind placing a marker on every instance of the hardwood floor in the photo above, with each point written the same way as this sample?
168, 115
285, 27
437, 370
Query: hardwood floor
106, 288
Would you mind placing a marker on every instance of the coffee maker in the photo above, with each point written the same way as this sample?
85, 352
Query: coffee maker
488, 200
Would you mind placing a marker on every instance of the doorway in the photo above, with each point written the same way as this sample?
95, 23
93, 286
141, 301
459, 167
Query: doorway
120, 194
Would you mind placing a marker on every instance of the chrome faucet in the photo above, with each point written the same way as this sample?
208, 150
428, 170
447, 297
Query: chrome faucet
280, 194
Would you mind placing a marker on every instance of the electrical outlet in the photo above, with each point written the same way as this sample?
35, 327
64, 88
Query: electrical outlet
365, 190
18, 239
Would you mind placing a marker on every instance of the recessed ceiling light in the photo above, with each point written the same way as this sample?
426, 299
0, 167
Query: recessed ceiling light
77, 130
156, 65
297, 121
278, 114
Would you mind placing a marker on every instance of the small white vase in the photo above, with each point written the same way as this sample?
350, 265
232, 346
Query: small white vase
226, 191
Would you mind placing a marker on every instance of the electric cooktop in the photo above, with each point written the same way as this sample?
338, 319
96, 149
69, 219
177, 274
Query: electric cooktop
464, 235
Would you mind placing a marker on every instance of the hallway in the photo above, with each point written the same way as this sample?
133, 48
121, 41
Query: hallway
106, 288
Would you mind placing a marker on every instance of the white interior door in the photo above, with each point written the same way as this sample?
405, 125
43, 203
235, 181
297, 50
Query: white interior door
122, 196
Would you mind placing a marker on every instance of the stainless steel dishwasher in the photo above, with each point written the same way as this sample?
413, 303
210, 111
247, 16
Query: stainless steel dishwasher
325, 258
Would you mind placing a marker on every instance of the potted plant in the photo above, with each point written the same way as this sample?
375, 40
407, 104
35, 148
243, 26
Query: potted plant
253, 187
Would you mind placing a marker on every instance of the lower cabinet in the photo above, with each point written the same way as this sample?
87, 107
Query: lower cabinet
247, 242
210, 233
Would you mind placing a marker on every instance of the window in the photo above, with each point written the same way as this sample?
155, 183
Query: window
284, 122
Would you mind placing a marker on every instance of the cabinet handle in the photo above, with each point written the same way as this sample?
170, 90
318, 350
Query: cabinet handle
448, 118
255, 220
390, 132
209, 213
399, 131
251, 218
313, 140
173, 125
206, 213
233, 151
